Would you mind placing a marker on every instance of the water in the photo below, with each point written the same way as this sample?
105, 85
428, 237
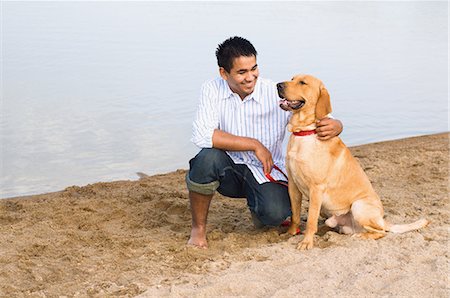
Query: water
97, 91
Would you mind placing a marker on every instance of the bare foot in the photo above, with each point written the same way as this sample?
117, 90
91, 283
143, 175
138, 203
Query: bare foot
198, 238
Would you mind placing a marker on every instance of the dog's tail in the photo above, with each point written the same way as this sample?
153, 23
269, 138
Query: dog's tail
421, 223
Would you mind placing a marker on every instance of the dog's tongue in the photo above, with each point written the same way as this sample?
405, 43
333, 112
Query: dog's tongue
284, 104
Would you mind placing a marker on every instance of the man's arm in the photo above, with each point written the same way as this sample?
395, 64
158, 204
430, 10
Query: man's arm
226, 141
206, 119
206, 134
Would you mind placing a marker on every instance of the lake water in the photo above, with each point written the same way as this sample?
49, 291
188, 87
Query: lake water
97, 91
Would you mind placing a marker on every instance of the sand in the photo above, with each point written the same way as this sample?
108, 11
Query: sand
127, 239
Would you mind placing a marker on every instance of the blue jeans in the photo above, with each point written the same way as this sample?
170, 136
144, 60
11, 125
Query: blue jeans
212, 169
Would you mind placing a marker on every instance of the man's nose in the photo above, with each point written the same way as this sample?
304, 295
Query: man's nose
250, 76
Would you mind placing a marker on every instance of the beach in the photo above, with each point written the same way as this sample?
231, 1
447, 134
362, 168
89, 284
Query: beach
128, 239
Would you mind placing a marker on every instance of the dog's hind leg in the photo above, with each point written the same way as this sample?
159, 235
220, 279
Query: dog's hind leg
370, 217
370, 235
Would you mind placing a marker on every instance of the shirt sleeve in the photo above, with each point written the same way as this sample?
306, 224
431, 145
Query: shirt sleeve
206, 119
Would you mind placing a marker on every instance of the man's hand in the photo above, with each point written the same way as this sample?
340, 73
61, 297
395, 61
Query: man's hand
265, 157
226, 141
328, 128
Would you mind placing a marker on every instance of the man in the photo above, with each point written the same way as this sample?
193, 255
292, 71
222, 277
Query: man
240, 128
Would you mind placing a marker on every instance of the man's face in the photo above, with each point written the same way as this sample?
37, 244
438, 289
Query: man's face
242, 76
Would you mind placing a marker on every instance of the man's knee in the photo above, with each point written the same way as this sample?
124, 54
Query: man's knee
273, 206
202, 176
208, 159
209, 156
273, 216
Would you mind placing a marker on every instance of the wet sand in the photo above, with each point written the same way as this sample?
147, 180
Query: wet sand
127, 238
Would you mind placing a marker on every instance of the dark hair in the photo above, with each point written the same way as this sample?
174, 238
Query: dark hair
232, 48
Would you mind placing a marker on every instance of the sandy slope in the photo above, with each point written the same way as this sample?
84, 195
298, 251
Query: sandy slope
127, 238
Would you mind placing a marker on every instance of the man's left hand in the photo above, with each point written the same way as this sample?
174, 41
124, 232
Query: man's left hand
328, 128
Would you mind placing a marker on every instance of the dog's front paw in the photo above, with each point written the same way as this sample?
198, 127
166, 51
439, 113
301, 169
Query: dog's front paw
306, 243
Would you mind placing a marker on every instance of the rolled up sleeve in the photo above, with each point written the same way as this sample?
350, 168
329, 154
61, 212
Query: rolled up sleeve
206, 119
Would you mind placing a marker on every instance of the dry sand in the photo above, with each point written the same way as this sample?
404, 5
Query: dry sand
127, 238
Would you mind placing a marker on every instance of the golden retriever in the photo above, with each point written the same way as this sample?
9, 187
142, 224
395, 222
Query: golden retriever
326, 172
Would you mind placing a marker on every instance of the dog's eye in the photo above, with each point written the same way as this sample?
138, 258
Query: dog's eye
302, 83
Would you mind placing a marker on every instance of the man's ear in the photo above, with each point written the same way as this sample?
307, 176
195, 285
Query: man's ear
323, 106
223, 73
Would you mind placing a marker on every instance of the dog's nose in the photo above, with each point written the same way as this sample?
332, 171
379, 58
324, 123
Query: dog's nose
280, 88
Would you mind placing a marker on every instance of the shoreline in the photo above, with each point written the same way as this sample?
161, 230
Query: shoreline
166, 173
127, 238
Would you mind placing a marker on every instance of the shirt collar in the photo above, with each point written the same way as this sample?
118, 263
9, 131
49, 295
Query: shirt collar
255, 95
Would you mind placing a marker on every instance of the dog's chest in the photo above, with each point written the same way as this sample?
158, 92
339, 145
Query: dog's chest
305, 161
302, 147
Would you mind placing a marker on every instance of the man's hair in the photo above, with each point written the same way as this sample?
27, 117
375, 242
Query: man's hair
232, 48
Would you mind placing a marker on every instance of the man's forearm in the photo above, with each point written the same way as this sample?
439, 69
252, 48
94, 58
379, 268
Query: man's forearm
226, 141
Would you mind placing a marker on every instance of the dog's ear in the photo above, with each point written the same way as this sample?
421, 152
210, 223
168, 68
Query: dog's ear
323, 106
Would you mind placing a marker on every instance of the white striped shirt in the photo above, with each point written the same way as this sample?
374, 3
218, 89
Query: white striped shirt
258, 116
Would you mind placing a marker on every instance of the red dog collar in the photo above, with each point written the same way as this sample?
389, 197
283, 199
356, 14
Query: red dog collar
304, 133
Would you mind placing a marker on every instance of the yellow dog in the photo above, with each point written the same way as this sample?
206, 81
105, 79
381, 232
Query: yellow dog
326, 172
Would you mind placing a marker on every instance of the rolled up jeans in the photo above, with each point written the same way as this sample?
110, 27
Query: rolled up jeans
212, 169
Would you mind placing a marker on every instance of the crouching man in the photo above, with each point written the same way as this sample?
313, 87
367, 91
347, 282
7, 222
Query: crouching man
240, 128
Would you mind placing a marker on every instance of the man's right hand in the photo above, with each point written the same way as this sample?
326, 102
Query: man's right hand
265, 157
226, 141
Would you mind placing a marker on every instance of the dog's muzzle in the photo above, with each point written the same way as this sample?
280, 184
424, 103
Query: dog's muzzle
288, 105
